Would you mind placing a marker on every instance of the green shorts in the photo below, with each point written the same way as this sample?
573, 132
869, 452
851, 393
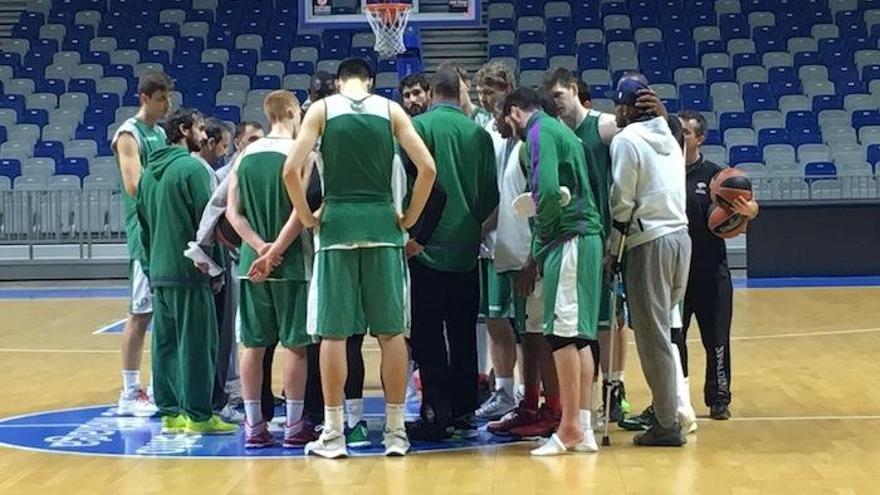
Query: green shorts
605, 305
273, 312
354, 289
504, 302
573, 287
487, 267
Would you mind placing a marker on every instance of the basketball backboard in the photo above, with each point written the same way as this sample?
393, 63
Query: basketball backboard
349, 14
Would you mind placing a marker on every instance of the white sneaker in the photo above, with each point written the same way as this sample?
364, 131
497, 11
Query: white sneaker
688, 421
330, 445
135, 403
496, 406
396, 442
588, 444
231, 415
551, 447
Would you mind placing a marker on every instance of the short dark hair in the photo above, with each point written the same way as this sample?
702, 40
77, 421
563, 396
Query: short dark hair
354, 67
413, 80
215, 128
153, 81
524, 98
242, 126
560, 76
323, 84
583, 92
446, 84
548, 103
462, 73
185, 117
702, 125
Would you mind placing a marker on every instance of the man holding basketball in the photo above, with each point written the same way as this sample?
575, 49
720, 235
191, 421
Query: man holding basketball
709, 293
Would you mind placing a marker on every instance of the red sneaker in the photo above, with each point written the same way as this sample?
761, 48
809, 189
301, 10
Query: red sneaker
257, 436
299, 434
520, 416
544, 426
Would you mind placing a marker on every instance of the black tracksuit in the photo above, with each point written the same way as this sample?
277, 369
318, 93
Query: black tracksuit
709, 293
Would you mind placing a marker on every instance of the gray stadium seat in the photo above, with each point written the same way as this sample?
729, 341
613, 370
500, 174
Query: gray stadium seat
236, 82
622, 49
727, 7
103, 165
802, 44
164, 43
125, 57
644, 35
557, 9
8, 117
42, 101
842, 5
610, 22
58, 132
530, 23
822, 31
603, 105
249, 42
739, 137
16, 151
125, 113
760, 19
589, 36
115, 85
767, 119
77, 101
53, 32
530, 50
826, 189
815, 88
840, 138
42, 6
874, 87
67, 59
256, 97
722, 89
5, 185
793, 189
30, 183
793, 103
596, 77
752, 169
498, 11
257, 114
270, 68
715, 60
194, 29
871, 18
866, 57
230, 97
6, 73
531, 78
38, 167
711, 120
88, 71
205, 4
739, 45
387, 80
67, 115
728, 104
813, 73
715, 153
102, 44
779, 153
665, 90
23, 133
751, 74
849, 153
141, 69
869, 134
623, 62
808, 153
81, 148
15, 45
565, 62
173, 16
304, 54
296, 81
706, 33
363, 39
331, 66
777, 59
502, 38
834, 117
215, 56
24, 87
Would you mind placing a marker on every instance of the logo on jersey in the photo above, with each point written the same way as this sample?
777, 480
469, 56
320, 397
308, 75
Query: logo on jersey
701, 189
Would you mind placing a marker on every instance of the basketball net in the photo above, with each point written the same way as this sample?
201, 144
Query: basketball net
388, 22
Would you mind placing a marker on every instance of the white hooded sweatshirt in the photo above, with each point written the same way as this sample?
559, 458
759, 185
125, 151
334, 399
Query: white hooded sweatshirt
649, 190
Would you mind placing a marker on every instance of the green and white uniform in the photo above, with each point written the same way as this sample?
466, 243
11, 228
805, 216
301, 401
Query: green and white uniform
148, 139
360, 268
567, 239
273, 311
599, 160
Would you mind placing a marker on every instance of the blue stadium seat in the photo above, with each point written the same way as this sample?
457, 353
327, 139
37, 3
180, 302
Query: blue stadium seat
613, 8
228, 113
533, 63
72, 166
49, 149
91, 131
672, 105
782, 74
871, 72
820, 170
744, 154
806, 58
107, 102
713, 137
312, 40
758, 96
496, 51
591, 56
2, 134
731, 120
874, 155
612, 35
156, 57
588, 20
806, 135
265, 82
769, 39
501, 24
13, 102
783, 88
54, 86
86, 86
387, 65
770, 136
863, 118
711, 46
746, 59
119, 70
531, 37
827, 102
201, 100
33, 116
719, 74
734, 26
10, 168
530, 7
300, 68
801, 120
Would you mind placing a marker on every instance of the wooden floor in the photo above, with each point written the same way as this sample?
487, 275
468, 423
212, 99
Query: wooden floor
806, 407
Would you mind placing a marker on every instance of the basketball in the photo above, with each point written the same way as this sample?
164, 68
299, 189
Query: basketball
226, 235
725, 224
728, 185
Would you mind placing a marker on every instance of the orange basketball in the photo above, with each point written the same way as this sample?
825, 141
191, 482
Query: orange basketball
728, 185
725, 224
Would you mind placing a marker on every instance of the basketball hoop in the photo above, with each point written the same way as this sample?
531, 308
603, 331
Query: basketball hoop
388, 21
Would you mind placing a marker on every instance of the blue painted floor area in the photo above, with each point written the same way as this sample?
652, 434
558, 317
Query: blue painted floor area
97, 431
65, 293
793, 283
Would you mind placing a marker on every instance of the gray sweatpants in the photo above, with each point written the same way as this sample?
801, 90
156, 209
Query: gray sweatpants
656, 278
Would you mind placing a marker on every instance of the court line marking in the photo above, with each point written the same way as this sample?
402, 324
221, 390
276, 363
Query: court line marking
108, 327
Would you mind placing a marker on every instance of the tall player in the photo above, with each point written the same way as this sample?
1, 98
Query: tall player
568, 247
276, 260
132, 144
359, 241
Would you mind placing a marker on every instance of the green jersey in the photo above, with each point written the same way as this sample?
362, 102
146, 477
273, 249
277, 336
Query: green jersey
266, 206
148, 139
173, 193
555, 158
357, 150
599, 160
466, 168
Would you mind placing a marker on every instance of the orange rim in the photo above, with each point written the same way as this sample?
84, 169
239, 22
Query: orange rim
388, 12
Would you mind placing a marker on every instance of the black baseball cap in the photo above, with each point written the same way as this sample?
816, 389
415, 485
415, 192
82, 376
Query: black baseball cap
628, 87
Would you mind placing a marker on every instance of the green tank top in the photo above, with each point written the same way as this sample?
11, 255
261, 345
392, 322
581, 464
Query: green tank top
357, 150
148, 140
266, 206
599, 163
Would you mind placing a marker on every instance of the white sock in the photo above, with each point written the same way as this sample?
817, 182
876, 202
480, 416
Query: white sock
253, 412
586, 417
355, 409
521, 389
394, 416
294, 411
615, 376
131, 380
334, 419
505, 384
682, 391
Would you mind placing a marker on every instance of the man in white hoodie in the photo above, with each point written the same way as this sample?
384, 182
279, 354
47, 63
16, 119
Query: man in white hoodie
648, 204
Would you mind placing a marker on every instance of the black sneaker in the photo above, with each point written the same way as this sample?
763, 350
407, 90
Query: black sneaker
427, 431
641, 422
464, 427
616, 413
720, 412
657, 436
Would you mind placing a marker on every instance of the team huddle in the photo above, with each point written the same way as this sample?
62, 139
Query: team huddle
355, 214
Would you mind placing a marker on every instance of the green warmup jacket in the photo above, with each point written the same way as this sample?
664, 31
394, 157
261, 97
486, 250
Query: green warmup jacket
173, 193
555, 158
466, 169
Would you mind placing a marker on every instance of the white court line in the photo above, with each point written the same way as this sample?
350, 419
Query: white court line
801, 418
744, 337
108, 327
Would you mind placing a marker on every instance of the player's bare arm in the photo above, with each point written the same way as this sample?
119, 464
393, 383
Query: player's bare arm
426, 169
236, 219
297, 159
129, 163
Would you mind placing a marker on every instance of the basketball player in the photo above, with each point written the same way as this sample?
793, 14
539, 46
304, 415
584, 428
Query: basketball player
647, 204
568, 249
494, 82
709, 293
414, 94
359, 241
445, 283
246, 132
133, 142
174, 190
275, 266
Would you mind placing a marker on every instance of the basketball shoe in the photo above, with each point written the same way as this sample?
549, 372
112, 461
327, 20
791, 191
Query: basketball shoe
330, 445
257, 436
135, 403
